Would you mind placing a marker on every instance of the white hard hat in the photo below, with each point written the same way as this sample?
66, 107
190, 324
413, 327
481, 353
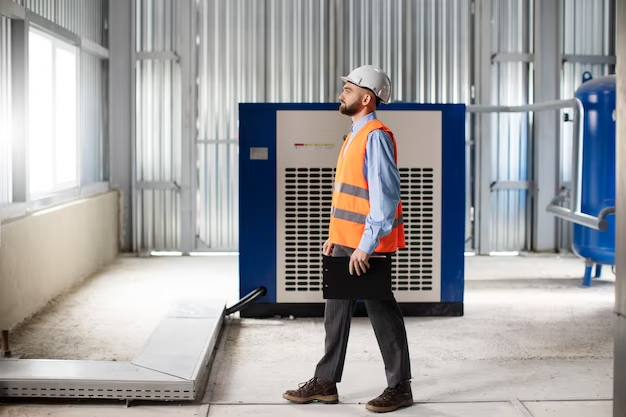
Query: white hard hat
372, 78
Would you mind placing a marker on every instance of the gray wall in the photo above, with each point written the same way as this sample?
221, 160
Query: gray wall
619, 385
251, 51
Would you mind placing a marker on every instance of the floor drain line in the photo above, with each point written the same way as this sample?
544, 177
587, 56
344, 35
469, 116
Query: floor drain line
518, 404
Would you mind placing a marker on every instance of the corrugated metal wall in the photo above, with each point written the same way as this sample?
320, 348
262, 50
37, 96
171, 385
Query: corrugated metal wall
251, 51
587, 30
511, 85
158, 124
290, 51
5, 111
424, 45
83, 17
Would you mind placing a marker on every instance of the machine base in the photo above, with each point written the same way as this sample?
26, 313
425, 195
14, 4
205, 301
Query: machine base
267, 310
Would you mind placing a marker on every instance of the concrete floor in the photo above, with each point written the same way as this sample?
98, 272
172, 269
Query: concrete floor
111, 315
532, 343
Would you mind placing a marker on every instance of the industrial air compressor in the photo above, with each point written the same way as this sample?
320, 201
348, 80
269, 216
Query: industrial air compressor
287, 158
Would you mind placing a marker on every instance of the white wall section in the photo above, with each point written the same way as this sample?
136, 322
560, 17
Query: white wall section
48, 252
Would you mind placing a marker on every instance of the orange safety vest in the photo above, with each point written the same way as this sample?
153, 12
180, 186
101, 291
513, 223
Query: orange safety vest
350, 203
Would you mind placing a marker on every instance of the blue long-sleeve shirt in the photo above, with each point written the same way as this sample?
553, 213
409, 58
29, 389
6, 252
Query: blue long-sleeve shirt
383, 181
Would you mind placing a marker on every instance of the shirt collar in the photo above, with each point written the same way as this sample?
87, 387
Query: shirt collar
363, 121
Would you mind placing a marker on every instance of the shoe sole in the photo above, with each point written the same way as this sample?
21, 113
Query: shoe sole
388, 409
326, 399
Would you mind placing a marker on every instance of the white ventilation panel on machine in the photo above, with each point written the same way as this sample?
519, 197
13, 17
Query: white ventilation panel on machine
306, 161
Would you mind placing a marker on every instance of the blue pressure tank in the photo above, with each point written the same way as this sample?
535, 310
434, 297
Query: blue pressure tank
598, 171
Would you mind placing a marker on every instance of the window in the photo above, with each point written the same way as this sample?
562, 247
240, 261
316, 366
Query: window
53, 115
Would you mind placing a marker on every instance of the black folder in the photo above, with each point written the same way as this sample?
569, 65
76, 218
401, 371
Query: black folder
374, 284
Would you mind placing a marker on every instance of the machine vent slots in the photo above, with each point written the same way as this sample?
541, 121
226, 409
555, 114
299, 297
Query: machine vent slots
413, 266
308, 196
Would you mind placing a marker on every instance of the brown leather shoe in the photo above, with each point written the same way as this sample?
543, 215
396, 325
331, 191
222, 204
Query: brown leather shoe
314, 390
392, 399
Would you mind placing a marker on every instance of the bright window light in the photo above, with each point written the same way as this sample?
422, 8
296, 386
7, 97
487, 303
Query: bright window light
52, 117
40, 113
166, 253
504, 253
66, 120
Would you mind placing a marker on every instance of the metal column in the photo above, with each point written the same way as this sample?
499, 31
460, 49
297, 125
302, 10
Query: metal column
619, 381
546, 124
165, 153
19, 71
483, 176
121, 111
186, 50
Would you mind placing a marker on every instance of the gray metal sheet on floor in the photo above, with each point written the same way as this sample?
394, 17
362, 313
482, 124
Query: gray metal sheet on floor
176, 346
168, 368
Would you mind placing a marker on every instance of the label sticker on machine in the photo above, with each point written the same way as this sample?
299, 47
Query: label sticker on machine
260, 154
314, 145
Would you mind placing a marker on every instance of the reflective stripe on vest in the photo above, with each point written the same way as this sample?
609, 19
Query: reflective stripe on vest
360, 218
340, 187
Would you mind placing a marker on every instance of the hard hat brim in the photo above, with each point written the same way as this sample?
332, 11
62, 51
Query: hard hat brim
347, 79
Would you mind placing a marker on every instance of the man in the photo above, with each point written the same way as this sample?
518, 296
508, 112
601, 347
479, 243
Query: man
366, 218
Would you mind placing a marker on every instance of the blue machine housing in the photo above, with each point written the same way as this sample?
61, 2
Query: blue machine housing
258, 218
598, 171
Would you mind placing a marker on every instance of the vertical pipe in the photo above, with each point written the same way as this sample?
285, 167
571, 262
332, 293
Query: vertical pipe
137, 221
484, 142
577, 139
6, 350
184, 42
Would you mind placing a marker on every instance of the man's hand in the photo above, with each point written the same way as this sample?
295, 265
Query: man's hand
358, 262
328, 248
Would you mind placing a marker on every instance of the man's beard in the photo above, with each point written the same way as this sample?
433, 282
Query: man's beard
349, 110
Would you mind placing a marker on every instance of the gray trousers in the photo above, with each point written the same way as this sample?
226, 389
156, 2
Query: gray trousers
388, 324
